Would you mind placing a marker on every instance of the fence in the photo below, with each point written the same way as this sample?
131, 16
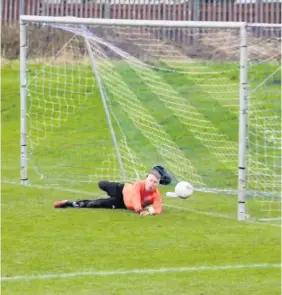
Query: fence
203, 10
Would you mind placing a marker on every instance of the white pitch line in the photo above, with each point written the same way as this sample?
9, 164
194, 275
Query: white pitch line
58, 188
197, 211
138, 271
46, 187
93, 195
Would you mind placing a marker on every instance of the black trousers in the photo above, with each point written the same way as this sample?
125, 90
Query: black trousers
114, 201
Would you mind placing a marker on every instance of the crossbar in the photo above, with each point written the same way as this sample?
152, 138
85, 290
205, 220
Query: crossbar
129, 22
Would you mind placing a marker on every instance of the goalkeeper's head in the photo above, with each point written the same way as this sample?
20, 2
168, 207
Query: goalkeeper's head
162, 174
152, 181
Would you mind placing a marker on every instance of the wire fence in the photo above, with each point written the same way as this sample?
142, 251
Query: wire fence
253, 11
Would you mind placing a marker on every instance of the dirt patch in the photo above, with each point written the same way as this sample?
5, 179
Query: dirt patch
47, 43
43, 42
226, 46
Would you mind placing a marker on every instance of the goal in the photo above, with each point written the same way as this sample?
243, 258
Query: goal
108, 99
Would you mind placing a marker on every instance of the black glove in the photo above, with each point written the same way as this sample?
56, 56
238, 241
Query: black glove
165, 177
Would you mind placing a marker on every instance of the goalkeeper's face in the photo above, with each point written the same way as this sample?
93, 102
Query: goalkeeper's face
152, 182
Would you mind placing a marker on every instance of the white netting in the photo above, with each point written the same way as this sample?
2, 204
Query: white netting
264, 119
173, 96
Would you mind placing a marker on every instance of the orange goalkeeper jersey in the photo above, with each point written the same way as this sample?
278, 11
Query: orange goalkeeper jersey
136, 198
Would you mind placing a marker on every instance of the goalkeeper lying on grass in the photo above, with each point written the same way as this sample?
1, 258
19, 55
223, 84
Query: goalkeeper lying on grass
136, 196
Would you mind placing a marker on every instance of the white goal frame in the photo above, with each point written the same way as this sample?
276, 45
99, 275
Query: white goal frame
243, 95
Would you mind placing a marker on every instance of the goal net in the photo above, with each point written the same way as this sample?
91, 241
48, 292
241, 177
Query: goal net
109, 101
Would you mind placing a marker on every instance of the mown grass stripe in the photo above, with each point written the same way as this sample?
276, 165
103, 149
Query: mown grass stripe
189, 87
197, 153
137, 111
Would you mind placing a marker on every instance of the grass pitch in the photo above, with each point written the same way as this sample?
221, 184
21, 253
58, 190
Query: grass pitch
190, 249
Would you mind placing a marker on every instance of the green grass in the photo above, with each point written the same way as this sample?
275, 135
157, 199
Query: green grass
38, 240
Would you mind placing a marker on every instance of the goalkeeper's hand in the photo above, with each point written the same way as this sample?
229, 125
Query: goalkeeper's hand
144, 213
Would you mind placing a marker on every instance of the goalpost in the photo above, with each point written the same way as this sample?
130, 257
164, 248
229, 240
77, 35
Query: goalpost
200, 98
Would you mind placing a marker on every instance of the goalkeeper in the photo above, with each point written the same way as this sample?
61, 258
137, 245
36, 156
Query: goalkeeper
136, 196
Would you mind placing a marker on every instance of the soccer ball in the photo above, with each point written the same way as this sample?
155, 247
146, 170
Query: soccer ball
184, 189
